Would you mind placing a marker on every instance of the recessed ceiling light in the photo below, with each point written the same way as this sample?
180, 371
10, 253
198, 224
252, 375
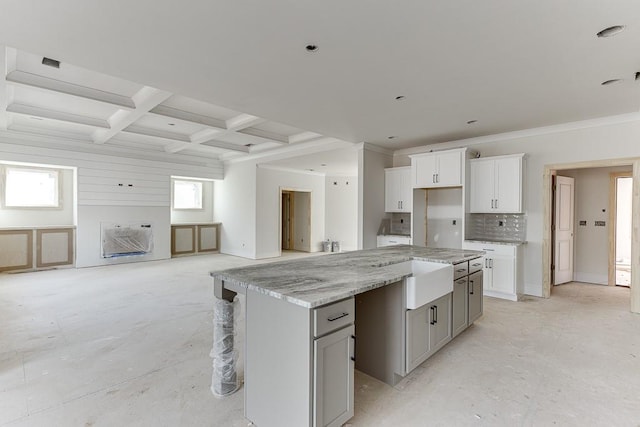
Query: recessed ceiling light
36, 118
637, 75
400, 97
391, 137
470, 122
311, 170
249, 145
610, 31
610, 82
311, 48
171, 124
323, 164
50, 62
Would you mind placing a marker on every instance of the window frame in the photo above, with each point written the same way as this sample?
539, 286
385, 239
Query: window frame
6, 168
173, 194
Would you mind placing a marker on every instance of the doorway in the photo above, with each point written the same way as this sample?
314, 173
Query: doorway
295, 220
620, 189
547, 240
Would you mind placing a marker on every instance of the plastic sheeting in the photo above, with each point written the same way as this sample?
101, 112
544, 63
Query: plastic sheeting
123, 240
224, 380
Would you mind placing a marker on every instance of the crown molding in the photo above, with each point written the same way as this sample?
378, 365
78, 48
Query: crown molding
525, 133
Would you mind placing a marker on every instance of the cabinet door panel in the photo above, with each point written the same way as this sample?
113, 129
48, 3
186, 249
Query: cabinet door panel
503, 274
459, 309
481, 186
449, 169
406, 190
475, 296
391, 190
333, 378
508, 185
425, 169
417, 335
440, 332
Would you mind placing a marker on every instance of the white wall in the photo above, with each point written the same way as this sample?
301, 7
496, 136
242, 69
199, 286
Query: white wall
112, 188
39, 217
444, 205
341, 210
591, 244
234, 206
371, 166
267, 195
607, 141
190, 216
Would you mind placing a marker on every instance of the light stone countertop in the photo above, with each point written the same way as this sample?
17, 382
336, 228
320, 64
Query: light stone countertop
497, 242
316, 281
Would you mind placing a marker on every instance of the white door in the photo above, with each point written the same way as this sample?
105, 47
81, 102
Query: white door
563, 230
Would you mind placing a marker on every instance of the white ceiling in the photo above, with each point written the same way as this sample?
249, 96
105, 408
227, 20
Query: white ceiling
510, 65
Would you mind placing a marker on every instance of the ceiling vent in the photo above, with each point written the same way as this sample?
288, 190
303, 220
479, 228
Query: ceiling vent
610, 82
50, 62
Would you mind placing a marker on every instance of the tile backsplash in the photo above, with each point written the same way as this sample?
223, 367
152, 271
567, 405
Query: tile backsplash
498, 227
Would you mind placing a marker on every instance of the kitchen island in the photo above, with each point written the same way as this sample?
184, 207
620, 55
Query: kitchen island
303, 316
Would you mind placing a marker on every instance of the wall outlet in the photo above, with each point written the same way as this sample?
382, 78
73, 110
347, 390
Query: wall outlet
454, 222
500, 223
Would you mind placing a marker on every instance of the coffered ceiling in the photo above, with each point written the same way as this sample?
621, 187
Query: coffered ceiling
233, 79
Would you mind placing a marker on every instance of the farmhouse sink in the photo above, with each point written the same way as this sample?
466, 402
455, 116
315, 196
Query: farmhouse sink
430, 281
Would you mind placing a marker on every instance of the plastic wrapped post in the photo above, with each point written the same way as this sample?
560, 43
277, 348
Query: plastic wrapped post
224, 380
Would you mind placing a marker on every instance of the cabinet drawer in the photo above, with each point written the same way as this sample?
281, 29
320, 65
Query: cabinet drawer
460, 270
333, 316
476, 265
490, 248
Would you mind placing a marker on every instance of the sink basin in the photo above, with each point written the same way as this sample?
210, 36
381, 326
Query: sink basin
430, 281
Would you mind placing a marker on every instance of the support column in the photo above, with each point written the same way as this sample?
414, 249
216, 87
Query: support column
224, 380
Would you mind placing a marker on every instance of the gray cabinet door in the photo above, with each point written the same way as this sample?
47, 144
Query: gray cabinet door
440, 333
475, 296
460, 306
418, 345
333, 378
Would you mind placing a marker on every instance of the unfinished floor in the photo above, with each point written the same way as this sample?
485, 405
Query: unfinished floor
129, 345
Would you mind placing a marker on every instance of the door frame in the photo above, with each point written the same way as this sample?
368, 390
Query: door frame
292, 190
552, 169
613, 176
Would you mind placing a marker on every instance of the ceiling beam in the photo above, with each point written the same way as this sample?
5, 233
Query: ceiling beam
145, 100
304, 136
179, 146
7, 63
174, 113
33, 111
23, 78
269, 136
242, 121
157, 133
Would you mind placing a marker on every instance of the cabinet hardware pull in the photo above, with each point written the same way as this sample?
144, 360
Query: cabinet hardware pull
491, 262
433, 178
436, 310
461, 270
437, 177
476, 264
486, 263
353, 337
461, 281
433, 316
339, 316
471, 282
496, 203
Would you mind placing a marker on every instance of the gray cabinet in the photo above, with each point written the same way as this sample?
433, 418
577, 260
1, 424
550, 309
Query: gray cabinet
418, 342
428, 329
440, 324
460, 308
333, 377
475, 287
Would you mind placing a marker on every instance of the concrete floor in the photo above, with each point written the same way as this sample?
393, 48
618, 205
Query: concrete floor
129, 345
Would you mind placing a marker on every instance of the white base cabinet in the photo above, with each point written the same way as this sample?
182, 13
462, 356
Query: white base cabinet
503, 270
392, 240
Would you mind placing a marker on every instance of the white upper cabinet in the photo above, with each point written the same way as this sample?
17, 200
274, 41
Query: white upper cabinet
397, 189
496, 184
439, 169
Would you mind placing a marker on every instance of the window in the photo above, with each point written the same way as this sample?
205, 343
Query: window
187, 194
31, 188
